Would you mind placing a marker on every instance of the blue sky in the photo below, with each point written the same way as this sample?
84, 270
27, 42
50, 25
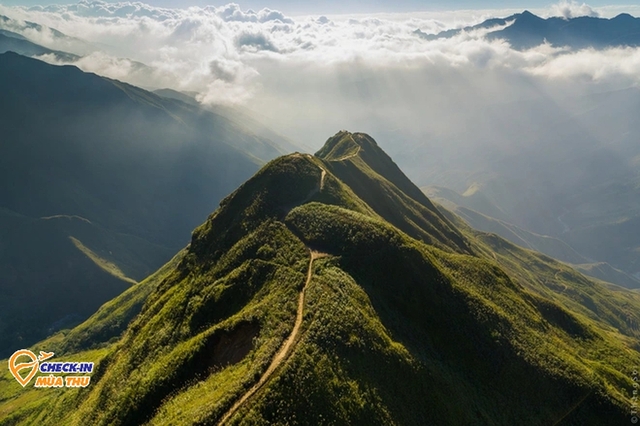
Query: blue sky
342, 6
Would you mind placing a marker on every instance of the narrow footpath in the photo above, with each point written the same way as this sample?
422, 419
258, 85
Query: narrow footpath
284, 351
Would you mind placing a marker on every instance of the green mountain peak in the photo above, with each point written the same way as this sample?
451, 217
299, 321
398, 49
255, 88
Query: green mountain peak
322, 291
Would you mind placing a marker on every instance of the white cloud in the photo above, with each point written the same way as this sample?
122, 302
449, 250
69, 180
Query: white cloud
228, 53
232, 12
592, 65
572, 9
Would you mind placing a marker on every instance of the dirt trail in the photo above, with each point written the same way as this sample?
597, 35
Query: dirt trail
346, 157
284, 351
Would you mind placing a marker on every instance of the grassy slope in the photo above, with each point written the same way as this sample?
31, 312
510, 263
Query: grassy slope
357, 160
469, 330
90, 341
49, 282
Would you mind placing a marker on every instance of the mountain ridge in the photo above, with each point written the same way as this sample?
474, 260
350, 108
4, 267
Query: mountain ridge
481, 213
357, 146
74, 46
526, 30
395, 329
143, 170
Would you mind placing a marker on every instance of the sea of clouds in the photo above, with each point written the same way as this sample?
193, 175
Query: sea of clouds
312, 75
222, 52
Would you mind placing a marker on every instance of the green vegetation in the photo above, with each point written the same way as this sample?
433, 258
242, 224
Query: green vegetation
107, 266
377, 180
110, 321
411, 318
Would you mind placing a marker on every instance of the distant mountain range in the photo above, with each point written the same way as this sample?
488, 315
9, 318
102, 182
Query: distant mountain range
14, 42
566, 169
62, 41
16, 36
480, 214
526, 30
330, 289
100, 183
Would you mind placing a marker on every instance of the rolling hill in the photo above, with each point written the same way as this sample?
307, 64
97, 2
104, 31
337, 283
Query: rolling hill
329, 289
468, 207
92, 165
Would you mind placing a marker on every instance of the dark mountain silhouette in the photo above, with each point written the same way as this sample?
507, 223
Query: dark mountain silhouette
13, 42
131, 171
526, 30
62, 41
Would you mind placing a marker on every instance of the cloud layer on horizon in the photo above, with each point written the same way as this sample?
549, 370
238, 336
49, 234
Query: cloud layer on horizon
224, 52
